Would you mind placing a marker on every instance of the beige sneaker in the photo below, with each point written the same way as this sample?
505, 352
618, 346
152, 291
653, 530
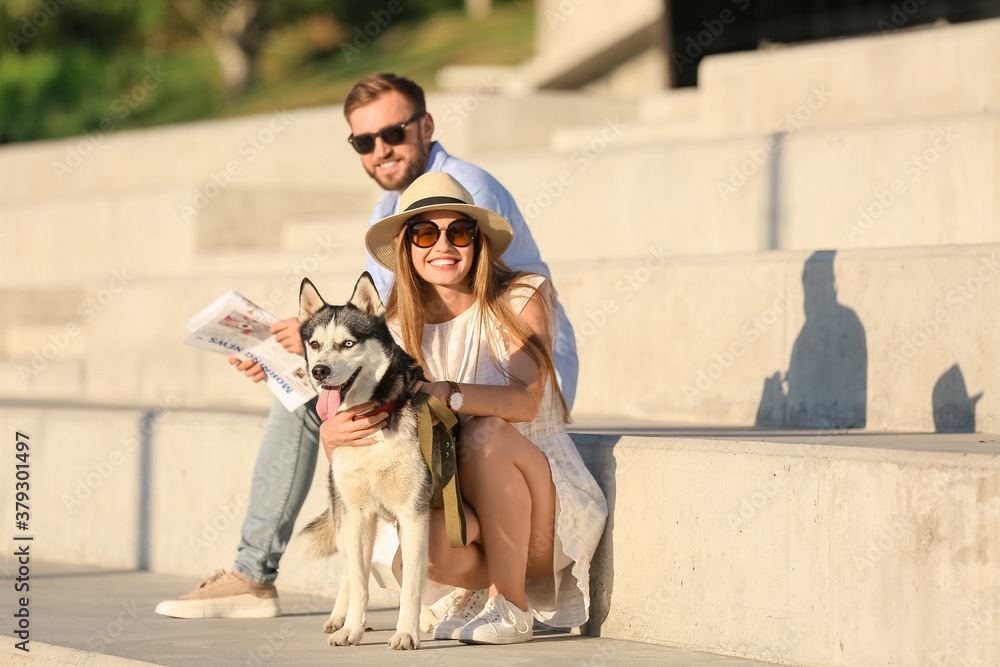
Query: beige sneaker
224, 595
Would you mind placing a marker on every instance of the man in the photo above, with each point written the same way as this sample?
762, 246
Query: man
391, 131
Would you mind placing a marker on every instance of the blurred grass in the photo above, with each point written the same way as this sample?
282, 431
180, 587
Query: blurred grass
414, 50
71, 90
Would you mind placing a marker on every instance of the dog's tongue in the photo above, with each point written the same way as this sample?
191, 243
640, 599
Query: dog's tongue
329, 401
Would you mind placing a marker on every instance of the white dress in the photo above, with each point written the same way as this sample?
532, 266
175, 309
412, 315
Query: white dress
458, 350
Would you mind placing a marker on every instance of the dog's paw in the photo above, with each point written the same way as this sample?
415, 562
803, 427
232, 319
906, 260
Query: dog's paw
404, 641
428, 621
333, 624
346, 637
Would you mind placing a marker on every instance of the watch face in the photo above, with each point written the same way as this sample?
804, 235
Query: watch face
455, 401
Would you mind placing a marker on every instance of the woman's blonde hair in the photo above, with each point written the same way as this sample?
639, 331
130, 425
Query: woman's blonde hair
491, 281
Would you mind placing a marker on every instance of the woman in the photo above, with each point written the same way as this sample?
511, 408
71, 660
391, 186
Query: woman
484, 335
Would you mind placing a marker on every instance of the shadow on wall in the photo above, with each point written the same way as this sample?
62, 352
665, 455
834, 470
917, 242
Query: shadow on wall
954, 409
827, 375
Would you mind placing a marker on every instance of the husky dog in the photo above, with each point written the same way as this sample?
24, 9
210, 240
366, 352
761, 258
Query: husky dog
353, 359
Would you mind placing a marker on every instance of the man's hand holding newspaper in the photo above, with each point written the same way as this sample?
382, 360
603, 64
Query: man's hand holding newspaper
285, 332
258, 344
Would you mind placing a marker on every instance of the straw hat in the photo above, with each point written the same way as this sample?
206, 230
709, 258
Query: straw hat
435, 191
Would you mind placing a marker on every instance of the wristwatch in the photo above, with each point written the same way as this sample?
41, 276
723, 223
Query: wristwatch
456, 399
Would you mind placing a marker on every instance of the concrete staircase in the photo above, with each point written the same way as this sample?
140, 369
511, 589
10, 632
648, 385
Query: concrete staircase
809, 240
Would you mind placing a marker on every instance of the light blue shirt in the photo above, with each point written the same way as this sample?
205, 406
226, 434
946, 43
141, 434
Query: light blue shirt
522, 255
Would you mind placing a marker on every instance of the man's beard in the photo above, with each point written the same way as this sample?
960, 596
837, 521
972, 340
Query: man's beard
414, 170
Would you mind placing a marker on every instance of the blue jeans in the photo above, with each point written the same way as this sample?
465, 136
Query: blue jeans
282, 476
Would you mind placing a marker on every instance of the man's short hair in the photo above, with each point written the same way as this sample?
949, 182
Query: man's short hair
374, 86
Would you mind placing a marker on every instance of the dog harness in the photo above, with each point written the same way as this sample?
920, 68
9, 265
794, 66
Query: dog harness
444, 469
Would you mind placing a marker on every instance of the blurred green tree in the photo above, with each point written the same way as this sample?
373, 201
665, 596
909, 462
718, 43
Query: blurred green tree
74, 66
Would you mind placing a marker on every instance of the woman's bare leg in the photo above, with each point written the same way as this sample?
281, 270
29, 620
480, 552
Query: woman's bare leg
506, 480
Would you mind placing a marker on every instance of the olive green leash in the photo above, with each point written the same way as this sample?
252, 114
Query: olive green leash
444, 469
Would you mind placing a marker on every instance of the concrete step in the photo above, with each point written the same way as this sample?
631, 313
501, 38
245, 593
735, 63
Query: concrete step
815, 547
887, 339
44, 374
303, 150
160, 366
98, 627
666, 115
303, 233
579, 43
66, 242
890, 76
486, 120
256, 219
803, 190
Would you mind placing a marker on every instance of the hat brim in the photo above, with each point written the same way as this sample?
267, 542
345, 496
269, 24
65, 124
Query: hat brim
381, 237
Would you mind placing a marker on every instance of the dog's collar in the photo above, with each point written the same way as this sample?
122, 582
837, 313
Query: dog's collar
385, 407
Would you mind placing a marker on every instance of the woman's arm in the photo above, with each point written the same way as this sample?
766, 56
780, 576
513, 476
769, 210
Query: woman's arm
519, 401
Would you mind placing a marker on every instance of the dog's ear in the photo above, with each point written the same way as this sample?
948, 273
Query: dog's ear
309, 300
366, 296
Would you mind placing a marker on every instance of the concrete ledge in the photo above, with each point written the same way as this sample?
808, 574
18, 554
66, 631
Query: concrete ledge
801, 552
888, 339
104, 617
50, 655
809, 547
896, 339
892, 76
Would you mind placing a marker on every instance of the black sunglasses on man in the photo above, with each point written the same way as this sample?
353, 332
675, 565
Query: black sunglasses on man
391, 134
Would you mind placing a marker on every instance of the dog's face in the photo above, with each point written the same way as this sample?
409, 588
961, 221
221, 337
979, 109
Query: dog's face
347, 347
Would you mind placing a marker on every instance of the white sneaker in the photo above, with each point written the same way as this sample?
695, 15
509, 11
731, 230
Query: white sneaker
499, 622
464, 606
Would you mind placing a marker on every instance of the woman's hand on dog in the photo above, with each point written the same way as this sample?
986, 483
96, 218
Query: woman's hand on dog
342, 430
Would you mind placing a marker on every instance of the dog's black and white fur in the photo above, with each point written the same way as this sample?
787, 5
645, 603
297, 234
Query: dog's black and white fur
349, 349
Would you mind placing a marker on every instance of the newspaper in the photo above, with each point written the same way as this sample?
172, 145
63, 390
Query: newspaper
233, 325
